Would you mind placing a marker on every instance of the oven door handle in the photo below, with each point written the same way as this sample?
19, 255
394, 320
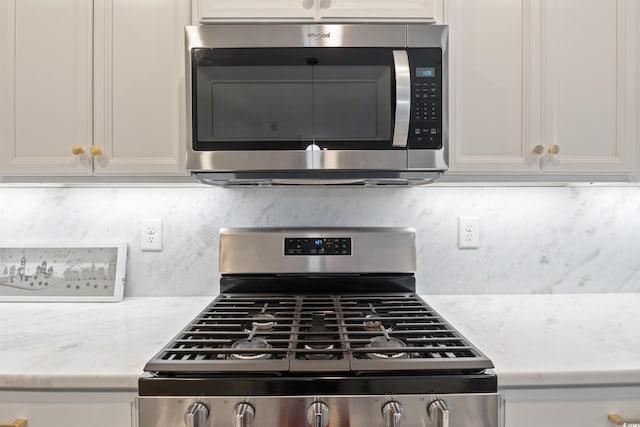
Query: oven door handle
439, 412
403, 98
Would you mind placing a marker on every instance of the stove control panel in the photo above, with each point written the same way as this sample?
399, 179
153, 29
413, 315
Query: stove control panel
317, 246
372, 410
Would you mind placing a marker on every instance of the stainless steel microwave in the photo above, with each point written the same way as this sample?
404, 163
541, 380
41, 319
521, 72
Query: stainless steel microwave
317, 104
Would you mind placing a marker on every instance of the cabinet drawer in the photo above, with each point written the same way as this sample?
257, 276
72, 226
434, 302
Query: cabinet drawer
67, 409
564, 407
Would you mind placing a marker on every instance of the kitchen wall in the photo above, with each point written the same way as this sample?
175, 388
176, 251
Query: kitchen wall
533, 239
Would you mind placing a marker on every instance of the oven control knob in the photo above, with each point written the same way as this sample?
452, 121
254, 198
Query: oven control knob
318, 414
392, 413
243, 415
438, 411
196, 415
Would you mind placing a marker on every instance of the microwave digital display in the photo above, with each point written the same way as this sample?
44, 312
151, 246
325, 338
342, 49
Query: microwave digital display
425, 72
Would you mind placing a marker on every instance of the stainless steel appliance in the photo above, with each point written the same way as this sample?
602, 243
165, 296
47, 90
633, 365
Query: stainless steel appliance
317, 104
320, 328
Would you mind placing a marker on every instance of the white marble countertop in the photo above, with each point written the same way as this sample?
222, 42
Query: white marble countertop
544, 340
533, 340
87, 345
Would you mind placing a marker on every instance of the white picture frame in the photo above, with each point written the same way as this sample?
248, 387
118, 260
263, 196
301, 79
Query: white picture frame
62, 272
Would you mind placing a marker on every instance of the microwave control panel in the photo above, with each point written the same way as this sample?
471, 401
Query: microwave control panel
425, 128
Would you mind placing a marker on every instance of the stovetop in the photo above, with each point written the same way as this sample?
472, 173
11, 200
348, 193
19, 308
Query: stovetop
318, 333
308, 311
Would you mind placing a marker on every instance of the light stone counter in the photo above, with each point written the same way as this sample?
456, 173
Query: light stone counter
87, 345
543, 340
532, 339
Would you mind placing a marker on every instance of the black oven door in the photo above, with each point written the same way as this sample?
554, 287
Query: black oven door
300, 99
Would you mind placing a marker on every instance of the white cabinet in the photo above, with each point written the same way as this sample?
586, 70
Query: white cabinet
570, 406
103, 78
46, 82
487, 96
538, 76
588, 83
207, 11
68, 409
363, 10
239, 10
139, 85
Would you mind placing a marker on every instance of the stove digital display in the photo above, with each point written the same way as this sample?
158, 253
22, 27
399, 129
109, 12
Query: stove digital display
317, 246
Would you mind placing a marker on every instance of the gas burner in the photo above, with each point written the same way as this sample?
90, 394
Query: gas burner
372, 322
250, 344
319, 337
319, 346
382, 342
263, 322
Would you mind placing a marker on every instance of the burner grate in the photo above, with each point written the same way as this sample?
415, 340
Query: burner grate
330, 333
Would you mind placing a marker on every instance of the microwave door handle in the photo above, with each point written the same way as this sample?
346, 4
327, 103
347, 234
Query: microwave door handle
403, 98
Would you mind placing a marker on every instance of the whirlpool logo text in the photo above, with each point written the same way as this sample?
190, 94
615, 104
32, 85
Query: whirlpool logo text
318, 36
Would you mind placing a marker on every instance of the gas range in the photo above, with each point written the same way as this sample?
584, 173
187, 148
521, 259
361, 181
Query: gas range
318, 327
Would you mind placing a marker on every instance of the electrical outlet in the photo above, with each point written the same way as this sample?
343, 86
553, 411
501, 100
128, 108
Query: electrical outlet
468, 232
151, 234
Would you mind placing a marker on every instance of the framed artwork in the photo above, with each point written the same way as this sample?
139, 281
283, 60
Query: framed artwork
63, 273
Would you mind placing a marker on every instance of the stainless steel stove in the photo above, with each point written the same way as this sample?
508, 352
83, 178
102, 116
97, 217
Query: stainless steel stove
320, 328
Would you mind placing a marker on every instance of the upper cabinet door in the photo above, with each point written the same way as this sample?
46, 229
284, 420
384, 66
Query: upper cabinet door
139, 86
380, 10
543, 87
588, 85
207, 11
45, 85
246, 10
490, 96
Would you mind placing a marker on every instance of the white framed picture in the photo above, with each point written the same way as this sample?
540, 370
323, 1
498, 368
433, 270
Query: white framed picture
63, 273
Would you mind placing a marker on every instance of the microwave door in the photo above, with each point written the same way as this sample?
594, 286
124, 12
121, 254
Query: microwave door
295, 98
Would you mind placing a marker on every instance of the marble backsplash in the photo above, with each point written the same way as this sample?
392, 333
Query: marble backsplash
533, 239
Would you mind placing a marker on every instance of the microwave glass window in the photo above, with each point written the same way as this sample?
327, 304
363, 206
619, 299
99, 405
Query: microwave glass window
294, 103
237, 103
352, 103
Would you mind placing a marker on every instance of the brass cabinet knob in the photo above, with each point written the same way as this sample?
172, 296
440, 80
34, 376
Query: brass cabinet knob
95, 151
621, 421
553, 149
20, 422
537, 149
77, 150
